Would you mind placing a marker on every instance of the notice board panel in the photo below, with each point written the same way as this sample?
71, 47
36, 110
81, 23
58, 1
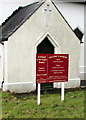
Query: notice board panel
51, 68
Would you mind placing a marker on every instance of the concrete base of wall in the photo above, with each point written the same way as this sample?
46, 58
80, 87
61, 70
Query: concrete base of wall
83, 76
19, 87
28, 87
72, 83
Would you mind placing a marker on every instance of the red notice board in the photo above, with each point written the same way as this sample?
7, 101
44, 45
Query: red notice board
51, 68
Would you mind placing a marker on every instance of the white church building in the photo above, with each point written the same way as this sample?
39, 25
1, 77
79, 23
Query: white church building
41, 27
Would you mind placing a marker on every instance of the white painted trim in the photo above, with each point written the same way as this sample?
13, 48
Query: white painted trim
82, 72
69, 68
5, 62
82, 69
38, 41
1, 65
74, 79
51, 39
33, 83
20, 87
5, 86
17, 83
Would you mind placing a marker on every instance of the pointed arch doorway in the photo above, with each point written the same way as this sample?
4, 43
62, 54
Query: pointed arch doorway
45, 47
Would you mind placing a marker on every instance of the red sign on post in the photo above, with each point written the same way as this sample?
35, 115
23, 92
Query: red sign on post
51, 68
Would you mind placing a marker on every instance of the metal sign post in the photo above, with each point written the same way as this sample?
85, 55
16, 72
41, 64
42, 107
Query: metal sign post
62, 91
38, 93
51, 68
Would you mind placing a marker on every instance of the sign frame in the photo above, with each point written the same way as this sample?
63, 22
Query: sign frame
45, 70
51, 68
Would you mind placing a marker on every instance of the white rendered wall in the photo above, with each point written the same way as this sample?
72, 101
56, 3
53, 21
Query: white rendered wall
21, 49
74, 14
1, 64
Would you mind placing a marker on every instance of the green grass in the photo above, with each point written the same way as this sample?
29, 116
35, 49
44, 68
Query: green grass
25, 105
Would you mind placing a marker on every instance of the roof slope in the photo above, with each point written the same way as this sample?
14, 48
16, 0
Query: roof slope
17, 19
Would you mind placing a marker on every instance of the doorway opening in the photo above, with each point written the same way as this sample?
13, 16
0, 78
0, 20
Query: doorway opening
45, 47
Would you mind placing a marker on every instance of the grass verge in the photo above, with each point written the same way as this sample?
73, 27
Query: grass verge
25, 105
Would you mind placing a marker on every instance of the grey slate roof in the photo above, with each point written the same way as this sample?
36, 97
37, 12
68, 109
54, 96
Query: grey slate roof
17, 19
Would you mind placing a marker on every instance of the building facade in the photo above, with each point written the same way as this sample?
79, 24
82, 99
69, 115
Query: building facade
22, 34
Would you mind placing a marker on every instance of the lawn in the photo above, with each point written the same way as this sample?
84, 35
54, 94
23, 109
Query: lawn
25, 105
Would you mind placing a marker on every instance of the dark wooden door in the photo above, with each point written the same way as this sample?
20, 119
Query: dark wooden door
45, 47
